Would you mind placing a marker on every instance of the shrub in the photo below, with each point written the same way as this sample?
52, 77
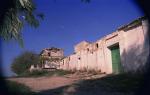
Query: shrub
61, 72
39, 73
23, 62
36, 73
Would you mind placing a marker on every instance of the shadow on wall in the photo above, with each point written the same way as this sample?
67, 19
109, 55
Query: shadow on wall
136, 58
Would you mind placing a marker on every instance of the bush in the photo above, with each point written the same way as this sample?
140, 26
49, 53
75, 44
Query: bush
61, 72
34, 73
39, 73
23, 62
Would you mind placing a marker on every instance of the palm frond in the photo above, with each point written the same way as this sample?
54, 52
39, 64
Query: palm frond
12, 23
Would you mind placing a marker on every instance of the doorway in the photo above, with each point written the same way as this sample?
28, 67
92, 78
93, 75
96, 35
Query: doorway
116, 60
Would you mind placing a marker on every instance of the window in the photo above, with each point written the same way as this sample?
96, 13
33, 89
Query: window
97, 45
79, 58
87, 49
49, 54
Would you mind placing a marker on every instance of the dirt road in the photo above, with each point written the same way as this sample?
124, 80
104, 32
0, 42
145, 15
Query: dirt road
65, 85
45, 83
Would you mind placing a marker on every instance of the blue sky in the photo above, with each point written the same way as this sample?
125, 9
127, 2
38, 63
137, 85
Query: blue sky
67, 22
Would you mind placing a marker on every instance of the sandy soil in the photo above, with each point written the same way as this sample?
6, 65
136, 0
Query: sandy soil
64, 85
46, 83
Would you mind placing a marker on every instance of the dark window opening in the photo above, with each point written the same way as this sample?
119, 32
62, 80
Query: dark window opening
97, 45
87, 49
49, 54
79, 58
69, 58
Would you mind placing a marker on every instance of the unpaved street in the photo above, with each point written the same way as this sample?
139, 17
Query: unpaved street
45, 83
72, 84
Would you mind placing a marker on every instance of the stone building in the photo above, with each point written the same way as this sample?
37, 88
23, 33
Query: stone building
51, 57
124, 50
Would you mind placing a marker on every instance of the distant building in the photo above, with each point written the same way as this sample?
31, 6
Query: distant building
51, 57
124, 50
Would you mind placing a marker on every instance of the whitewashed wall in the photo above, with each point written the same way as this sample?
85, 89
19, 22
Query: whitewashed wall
133, 51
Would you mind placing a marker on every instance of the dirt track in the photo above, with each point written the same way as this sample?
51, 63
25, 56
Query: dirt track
64, 85
45, 83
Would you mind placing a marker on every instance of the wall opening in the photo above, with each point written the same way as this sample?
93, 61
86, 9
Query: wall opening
116, 60
49, 54
87, 49
97, 45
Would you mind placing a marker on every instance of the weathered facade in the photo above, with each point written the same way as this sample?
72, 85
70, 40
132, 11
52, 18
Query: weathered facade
51, 57
126, 49
52, 53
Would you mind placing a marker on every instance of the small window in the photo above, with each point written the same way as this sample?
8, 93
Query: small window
49, 54
69, 58
79, 58
87, 49
97, 45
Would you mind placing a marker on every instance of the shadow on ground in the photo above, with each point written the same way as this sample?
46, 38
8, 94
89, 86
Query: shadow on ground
122, 84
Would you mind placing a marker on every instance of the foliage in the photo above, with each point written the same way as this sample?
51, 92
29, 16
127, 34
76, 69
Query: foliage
61, 72
13, 15
34, 73
39, 73
23, 62
18, 89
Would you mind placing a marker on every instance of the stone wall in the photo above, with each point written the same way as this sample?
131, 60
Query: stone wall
52, 52
51, 57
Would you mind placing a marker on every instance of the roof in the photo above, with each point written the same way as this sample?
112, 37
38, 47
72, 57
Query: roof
135, 22
51, 49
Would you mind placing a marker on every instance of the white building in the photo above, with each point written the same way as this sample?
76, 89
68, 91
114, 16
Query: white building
126, 49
